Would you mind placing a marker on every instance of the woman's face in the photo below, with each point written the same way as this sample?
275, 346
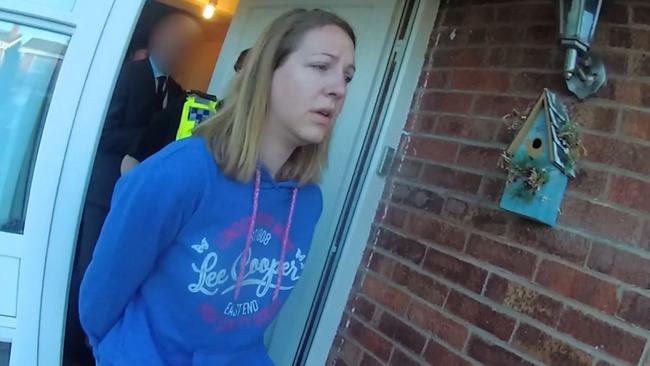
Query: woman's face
309, 88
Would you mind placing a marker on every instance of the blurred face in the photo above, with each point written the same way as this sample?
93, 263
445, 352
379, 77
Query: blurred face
309, 88
172, 40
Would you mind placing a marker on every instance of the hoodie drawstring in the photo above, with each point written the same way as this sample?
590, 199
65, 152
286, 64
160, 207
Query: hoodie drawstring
249, 239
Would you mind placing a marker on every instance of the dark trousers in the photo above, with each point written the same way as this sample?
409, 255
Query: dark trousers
76, 352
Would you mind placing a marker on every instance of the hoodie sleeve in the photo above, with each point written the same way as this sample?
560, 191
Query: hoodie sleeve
149, 206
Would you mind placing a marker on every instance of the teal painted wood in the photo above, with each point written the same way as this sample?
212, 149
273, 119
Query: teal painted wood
535, 146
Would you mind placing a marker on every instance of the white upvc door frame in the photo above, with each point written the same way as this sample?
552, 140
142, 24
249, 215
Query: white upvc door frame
83, 138
99, 33
356, 240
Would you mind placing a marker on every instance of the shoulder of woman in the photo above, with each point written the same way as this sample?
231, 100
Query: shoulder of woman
188, 159
312, 196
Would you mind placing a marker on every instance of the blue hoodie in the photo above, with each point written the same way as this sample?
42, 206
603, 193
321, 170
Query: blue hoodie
167, 284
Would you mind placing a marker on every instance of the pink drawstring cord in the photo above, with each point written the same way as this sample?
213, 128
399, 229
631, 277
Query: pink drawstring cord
249, 239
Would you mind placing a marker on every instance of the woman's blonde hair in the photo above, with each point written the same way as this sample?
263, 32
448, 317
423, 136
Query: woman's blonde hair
234, 133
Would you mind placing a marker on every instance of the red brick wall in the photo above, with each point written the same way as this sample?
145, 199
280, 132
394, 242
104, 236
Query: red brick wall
450, 279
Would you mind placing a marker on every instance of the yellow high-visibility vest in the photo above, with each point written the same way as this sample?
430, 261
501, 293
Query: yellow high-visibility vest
197, 108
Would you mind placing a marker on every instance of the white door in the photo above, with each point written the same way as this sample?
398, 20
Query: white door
47, 50
374, 23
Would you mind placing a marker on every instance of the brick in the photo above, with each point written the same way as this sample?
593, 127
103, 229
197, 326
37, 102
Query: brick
466, 127
645, 238
541, 35
453, 18
344, 351
448, 102
454, 270
503, 35
449, 178
433, 79
600, 219
480, 80
361, 307
488, 220
616, 61
418, 198
578, 285
625, 266
479, 157
402, 333
512, 14
381, 264
630, 192
549, 350
436, 354
601, 37
613, 13
438, 324
523, 300
502, 57
406, 168
368, 360
588, 181
635, 308
606, 337
480, 315
507, 257
641, 65
491, 189
498, 106
385, 294
337, 362
475, 36
432, 149
620, 37
425, 123
401, 246
479, 217
491, 354
401, 359
456, 209
637, 124
569, 246
394, 216
534, 82
624, 155
595, 117
514, 57
538, 58
370, 339
421, 285
629, 92
438, 232
458, 57
478, 15
641, 14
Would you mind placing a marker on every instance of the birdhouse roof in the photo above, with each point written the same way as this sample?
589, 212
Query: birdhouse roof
555, 117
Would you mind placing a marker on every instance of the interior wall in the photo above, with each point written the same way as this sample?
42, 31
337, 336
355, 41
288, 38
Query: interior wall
197, 68
196, 71
451, 279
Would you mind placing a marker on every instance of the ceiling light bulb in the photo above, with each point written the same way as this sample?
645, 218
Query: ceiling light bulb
208, 11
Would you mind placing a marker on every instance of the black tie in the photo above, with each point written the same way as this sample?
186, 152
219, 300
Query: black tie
162, 86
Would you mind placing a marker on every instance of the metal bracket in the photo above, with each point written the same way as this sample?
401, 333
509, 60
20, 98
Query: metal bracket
386, 161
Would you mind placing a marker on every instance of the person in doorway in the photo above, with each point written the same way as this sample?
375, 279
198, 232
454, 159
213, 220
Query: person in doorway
163, 130
206, 239
143, 88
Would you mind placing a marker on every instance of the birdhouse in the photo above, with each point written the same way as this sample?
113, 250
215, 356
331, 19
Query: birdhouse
539, 162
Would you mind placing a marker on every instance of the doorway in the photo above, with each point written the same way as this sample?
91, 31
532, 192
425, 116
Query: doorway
379, 24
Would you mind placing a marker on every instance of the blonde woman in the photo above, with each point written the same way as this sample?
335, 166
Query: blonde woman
206, 239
